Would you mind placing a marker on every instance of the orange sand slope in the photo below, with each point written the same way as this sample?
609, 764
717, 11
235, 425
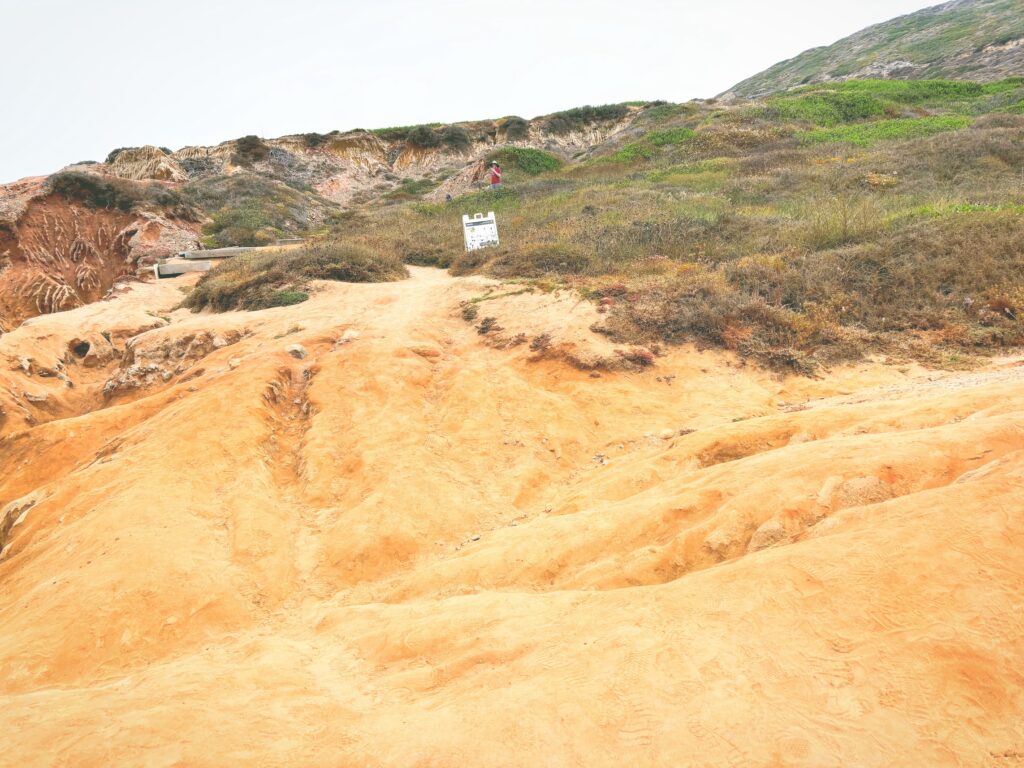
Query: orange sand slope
411, 548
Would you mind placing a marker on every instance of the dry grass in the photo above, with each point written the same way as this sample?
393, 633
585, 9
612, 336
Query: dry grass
729, 229
277, 278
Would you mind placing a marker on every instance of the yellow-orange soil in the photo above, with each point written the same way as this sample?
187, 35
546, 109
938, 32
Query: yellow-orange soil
412, 547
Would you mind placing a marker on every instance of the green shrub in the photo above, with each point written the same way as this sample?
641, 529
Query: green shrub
581, 117
644, 148
249, 150
530, 161
659, 112
866, 134
456, 137
262, 279
632, 153
400, 132
829, 108
249, 224
249, 209
516, 128
286, 298
423, 136
1001, 86
410, 189
912, 91
121, 194
312, 140
540, 260
670, 137
95, 191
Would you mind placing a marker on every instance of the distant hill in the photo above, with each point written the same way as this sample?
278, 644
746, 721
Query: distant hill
980, 40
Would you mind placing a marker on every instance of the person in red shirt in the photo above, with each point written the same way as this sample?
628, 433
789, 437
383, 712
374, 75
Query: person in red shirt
494, 176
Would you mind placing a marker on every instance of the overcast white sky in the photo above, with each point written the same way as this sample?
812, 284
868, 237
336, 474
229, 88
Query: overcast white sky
80, 77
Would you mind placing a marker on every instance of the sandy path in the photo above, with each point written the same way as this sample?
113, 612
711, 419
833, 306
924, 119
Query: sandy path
410, 548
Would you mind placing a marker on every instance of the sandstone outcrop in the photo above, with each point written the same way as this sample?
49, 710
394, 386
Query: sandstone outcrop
57, 254
146, 163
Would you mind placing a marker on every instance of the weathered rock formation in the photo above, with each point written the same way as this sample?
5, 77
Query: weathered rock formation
146, 163
57, 254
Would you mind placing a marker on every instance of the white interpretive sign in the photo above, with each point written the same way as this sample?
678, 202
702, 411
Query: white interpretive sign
480, 231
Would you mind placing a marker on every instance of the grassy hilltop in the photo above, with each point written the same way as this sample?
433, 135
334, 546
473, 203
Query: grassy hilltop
964, 39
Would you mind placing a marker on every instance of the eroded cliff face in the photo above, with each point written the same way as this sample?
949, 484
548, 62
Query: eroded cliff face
56, 254
356, 166
146, 163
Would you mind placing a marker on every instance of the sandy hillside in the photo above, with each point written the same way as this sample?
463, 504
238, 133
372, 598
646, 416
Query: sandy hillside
422, 546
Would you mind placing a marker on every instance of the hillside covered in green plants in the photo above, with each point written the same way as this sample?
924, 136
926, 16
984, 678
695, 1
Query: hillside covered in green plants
961, 40
809, 227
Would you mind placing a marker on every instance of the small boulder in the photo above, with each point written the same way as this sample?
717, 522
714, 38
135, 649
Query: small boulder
296, 350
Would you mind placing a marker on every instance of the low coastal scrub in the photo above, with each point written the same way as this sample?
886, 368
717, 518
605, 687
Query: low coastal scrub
251, 210
401, 132
516, 128
98, 191
866, 134
797, 232
267, 278
822, 224
249, 150
579, 118
95, 191
949, 283
530, 161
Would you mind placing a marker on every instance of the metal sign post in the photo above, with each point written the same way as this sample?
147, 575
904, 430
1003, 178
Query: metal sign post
479, 231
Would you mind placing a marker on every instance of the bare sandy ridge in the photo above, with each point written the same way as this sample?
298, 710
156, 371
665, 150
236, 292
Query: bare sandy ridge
410, 548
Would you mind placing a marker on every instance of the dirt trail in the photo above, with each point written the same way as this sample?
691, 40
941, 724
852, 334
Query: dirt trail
412, 544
